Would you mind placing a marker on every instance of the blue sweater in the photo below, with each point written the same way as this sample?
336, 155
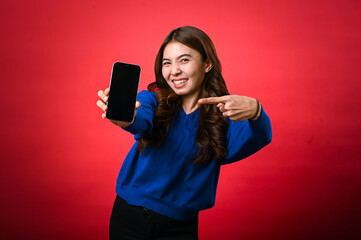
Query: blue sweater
164, 179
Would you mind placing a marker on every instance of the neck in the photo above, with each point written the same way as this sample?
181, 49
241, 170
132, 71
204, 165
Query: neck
190, 104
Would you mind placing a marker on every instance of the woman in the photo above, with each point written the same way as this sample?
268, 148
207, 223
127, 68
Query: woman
186, 126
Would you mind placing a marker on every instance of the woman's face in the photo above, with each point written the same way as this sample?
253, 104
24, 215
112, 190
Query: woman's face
183, 69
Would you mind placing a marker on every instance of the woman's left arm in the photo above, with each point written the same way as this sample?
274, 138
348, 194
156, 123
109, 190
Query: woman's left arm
235, 107
249, 126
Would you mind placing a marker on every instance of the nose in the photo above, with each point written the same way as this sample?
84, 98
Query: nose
175, 69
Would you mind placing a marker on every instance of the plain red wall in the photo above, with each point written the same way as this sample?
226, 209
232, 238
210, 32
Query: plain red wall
60, 160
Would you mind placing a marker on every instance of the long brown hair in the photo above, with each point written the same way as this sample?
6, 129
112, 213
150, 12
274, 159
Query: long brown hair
211, 135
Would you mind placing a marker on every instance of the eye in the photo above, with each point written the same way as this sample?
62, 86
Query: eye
184, 60
165, 63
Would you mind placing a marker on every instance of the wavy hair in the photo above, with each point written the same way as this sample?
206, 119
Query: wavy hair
211, 134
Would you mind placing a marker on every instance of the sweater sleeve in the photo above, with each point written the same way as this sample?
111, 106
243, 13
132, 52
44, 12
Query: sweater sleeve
247, 137
143, 122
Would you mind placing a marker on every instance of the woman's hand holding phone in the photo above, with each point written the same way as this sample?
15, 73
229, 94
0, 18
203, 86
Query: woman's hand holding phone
102, 104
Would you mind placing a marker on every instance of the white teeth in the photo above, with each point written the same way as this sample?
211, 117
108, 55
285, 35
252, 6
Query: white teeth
180, 82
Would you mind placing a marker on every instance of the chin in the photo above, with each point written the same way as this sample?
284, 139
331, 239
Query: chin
180, 92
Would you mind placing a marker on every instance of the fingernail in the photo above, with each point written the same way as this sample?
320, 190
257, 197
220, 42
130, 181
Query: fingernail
105, 98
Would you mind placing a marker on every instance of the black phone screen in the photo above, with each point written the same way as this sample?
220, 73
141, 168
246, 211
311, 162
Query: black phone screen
123, 92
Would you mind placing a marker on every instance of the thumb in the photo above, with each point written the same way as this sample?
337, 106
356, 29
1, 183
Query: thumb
137, 104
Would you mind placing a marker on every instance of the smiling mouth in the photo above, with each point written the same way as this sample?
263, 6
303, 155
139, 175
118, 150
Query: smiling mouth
179, 83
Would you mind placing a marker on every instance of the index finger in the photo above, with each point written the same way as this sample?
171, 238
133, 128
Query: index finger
213, 100
102, 94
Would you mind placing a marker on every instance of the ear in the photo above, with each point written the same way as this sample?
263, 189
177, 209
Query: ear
208, 66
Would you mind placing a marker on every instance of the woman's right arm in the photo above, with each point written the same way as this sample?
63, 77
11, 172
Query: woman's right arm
142, 123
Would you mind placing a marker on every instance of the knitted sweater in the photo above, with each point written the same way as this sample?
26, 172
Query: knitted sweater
165, 179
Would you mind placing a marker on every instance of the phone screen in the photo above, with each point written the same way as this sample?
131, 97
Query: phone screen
123, 92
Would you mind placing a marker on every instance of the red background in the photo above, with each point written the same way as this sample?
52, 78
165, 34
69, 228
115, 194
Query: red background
60, 160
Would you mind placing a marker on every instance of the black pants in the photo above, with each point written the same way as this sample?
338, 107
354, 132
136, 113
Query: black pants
130, 222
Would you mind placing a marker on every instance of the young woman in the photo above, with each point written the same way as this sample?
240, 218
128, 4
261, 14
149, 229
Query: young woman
186, 126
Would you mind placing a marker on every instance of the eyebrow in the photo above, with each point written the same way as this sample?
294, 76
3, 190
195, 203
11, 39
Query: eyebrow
183, 55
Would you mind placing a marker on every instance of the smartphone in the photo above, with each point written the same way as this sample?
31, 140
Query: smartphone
123, 92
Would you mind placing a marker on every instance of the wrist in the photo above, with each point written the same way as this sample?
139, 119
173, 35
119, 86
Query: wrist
258, 111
